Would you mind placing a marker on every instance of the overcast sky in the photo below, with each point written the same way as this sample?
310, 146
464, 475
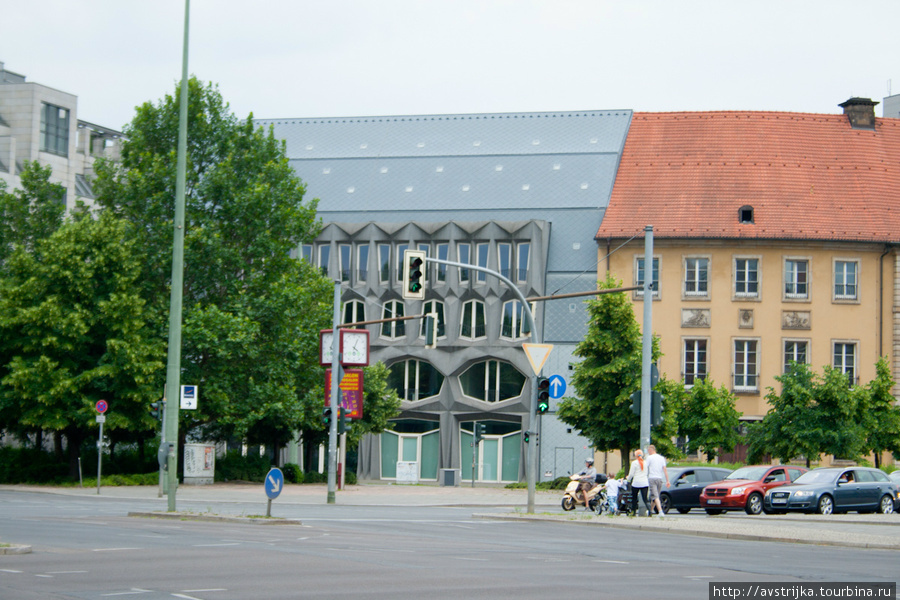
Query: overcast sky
305, 58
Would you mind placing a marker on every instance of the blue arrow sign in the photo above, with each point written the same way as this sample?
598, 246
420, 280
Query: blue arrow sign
274, 482
557, 386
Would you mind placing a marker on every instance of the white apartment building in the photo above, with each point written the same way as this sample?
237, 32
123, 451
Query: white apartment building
39, 123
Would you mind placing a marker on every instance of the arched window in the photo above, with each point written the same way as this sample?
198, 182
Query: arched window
436, 307
472, 325
415, 379
513, 325
354, 311
393, 329
492, 381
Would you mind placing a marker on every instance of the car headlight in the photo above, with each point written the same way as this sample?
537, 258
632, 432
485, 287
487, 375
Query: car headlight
737, 491
804, 494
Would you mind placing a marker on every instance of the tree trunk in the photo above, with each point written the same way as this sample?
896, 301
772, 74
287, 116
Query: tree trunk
74, 438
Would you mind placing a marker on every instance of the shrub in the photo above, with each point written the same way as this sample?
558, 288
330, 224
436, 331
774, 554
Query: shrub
292, 473
235, 467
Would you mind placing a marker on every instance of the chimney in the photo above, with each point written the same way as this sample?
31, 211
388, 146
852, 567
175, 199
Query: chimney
861, 112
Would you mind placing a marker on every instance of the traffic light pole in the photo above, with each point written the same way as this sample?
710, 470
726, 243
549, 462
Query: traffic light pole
647, 341
335, 390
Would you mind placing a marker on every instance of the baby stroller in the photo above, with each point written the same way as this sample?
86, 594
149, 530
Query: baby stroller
625, 505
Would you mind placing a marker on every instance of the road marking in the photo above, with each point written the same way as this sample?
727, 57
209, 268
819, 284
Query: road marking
44, 576
216, 545
131, 593
468, 558
63, 572
185, 597
614, 562
9, 571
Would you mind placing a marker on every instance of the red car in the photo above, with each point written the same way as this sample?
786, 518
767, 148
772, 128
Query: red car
744, 488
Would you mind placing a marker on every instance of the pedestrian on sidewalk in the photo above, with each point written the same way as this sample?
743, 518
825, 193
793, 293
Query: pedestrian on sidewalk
656, 472
637, 477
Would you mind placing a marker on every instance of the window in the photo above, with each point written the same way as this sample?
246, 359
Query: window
746, 277
354, 311
695, 366
393, 329
401, 250
472, 323
433, 306
696, 276
746, 371
524, 251
492, 381
639, 276
795, 351
514, 320
426, 267
384, 262
845, 359
442, 254
845, 279
362, 263
344, 250
464, 255
306, 252
415, 379
324, 253
796, 278
55, 129
482, 255
504, 256
745, 214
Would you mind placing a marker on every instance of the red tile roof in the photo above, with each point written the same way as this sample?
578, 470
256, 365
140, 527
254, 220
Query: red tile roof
807, 176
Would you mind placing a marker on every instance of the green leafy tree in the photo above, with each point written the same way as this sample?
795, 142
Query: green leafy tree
251, 312
880, 415
708, 419
610, 370
837, 415
30, 213
74, 330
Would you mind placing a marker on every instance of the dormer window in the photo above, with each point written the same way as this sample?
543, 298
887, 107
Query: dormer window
745, 214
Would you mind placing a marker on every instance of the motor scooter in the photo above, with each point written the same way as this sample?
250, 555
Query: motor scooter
572, 498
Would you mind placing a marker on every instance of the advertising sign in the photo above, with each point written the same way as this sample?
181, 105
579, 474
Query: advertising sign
351, 397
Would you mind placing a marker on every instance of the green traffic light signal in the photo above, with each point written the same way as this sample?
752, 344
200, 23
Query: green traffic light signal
543, 395
413, 275
326, 417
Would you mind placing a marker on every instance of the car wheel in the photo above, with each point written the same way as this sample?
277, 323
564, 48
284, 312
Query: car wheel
886, 506
714, 511
826, 505
754, 504
684, 511
666, 502
568, 503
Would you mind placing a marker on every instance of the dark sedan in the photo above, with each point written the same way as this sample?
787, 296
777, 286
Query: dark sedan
686, 483
835, 489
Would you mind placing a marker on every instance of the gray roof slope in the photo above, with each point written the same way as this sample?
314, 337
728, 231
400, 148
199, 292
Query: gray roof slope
457, 162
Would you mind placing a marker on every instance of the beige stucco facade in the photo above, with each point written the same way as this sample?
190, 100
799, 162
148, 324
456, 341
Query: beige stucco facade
745, 331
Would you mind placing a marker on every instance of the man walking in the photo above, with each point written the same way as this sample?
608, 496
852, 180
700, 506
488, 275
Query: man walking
656, 472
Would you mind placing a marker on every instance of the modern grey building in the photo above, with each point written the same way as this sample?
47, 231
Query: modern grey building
522, 194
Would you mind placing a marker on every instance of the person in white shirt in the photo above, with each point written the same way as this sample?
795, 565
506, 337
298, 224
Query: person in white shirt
612, 493
637, 477
656, 471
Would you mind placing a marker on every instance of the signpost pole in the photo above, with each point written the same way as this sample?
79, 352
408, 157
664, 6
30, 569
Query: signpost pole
335, 390
647, 341
99, 453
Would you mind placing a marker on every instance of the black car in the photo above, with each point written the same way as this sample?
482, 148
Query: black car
835, 489
686, 483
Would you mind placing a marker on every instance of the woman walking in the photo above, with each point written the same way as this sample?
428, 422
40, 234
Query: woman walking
640, 483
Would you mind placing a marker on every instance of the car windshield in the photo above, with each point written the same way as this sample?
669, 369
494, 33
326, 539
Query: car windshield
817, 477
754, 473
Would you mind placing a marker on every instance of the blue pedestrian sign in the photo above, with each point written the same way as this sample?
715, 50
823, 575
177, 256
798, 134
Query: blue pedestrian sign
274, 482
557, 386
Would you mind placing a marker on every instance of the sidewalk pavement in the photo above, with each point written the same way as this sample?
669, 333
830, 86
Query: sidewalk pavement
851, 530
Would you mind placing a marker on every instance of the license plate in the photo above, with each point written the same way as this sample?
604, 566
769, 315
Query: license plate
779, 500
713, 501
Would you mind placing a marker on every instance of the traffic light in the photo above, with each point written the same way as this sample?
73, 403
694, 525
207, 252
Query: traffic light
479, 432
413, 275
157, 408
655, 408
431, 330
636, 402
342, 420
326, 417
526, 435
543, 395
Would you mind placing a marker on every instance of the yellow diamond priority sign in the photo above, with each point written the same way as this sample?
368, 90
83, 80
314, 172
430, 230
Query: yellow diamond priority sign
537, 355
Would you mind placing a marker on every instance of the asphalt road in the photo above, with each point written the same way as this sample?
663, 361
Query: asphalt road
87, 548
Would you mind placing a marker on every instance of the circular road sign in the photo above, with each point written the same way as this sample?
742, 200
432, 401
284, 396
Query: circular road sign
102, 406
274, 482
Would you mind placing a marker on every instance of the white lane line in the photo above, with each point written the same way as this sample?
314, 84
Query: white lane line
613, 562
216, 545
468, 558
44, 576
131, 593
113, 549
9, 571
185, 597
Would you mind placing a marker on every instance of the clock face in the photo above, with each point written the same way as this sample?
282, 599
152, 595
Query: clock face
355, 347
326, 339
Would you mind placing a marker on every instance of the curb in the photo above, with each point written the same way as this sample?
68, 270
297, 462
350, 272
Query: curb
181, 516
14, 549
661, 528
